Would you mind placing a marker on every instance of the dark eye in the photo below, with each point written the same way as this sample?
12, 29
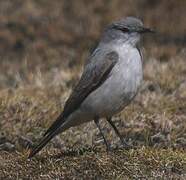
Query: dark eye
121, 28
125, 29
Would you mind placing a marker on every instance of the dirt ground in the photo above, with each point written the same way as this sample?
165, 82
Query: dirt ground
43, 45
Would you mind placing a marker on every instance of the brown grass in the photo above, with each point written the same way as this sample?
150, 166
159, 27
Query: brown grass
43, 45
144, 163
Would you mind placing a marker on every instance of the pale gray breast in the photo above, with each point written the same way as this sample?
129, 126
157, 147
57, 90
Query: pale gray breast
129, 68
120, 87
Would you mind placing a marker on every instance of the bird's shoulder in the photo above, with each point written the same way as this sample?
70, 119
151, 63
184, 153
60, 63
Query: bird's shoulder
100, 55
94, 74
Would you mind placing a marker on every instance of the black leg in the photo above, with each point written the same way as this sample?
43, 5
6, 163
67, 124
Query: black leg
96, 120
118, 133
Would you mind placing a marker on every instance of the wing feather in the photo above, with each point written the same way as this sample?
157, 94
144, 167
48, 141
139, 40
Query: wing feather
95, 73
92, 78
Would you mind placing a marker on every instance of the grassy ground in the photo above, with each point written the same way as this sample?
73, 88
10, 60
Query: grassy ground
144, 163
43, 45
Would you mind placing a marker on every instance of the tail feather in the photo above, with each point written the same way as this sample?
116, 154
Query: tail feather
43, 142
60, 120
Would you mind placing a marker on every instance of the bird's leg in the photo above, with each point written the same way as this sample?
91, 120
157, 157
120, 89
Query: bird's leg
96, 120
124, 143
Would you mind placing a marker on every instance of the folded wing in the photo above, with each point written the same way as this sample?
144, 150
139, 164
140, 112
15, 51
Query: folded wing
95, 73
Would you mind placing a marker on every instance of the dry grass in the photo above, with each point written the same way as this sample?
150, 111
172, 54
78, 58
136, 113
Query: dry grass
144, 163
43, 45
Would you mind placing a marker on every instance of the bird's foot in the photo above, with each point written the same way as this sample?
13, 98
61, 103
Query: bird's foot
126, 146
108, 148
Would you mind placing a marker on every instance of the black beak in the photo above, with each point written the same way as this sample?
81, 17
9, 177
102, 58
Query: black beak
147, 30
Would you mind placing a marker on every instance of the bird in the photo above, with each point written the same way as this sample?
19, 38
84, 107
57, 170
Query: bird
110, 80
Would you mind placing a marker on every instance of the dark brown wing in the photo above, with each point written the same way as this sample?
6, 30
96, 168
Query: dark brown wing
94, 75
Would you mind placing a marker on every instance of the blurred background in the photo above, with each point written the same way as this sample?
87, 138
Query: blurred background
44, 43
42, 36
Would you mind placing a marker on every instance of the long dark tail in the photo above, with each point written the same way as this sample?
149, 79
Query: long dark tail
43, 142
52, 131
59, 121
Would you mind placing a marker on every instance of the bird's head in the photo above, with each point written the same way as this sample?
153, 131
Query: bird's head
128, 29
